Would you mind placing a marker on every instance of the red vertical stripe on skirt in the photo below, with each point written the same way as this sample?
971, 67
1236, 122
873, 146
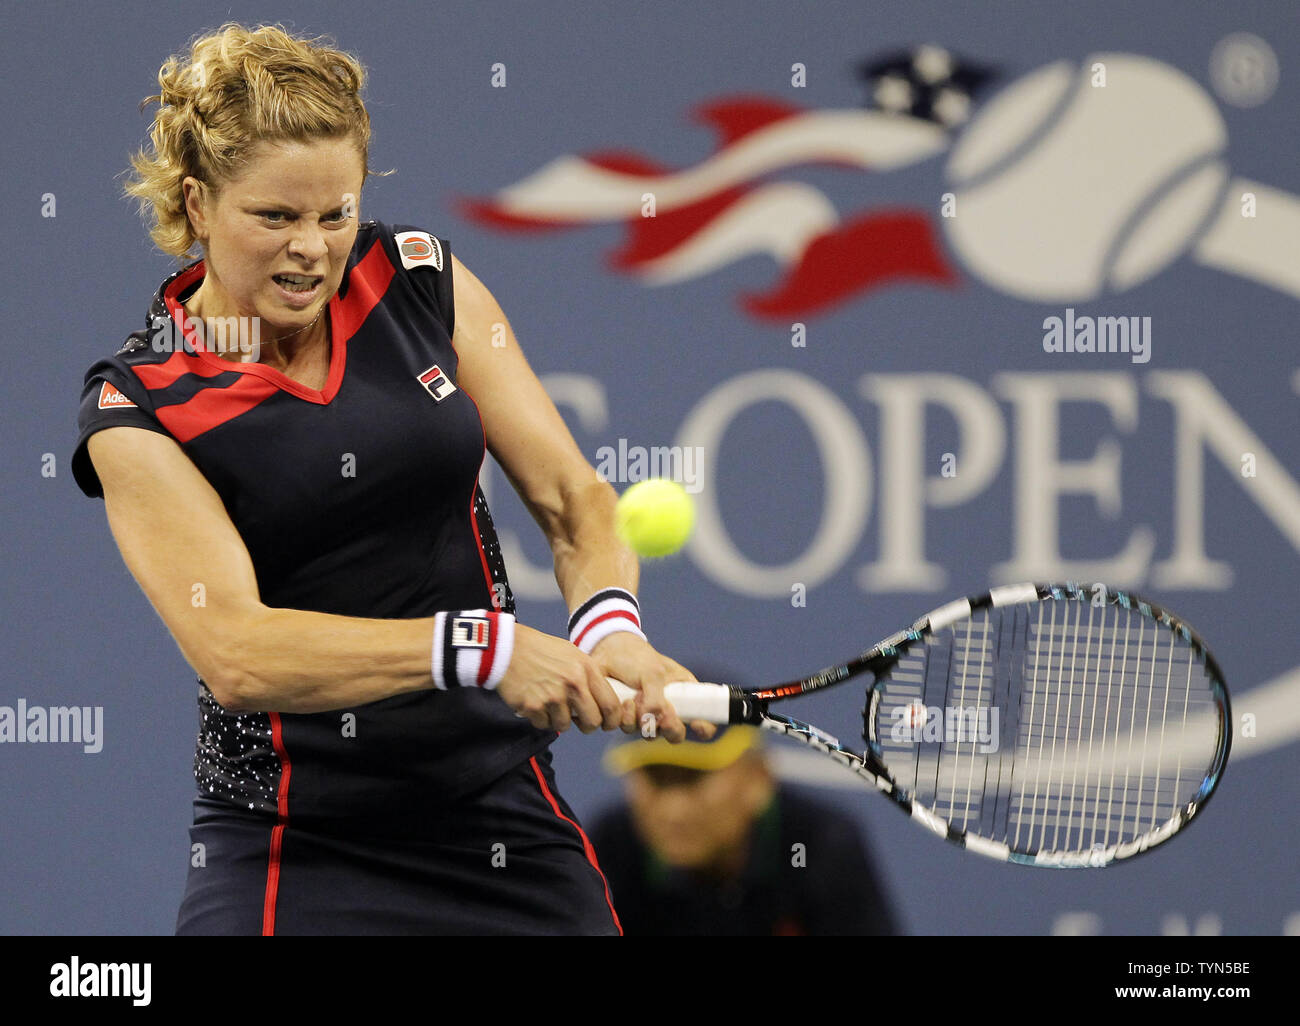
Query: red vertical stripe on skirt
586, 843
277, 832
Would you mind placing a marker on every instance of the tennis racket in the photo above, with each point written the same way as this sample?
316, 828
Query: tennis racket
1064, 726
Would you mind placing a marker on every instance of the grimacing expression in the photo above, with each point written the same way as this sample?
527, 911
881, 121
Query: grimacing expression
292, 210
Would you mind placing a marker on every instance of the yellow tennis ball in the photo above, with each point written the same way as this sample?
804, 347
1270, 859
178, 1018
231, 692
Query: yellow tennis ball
655, 517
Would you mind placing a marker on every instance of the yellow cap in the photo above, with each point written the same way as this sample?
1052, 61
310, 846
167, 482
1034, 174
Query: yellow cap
728, 746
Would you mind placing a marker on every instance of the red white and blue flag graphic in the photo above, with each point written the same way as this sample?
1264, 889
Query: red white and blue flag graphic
728, 206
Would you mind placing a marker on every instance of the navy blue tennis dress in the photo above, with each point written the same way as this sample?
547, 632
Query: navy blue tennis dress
427, 813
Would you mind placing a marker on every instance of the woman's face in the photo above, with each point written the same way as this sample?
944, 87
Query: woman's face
293, 210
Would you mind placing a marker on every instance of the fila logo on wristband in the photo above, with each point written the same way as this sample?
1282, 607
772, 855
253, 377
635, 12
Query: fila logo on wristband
469, 632
606, 612
471, 648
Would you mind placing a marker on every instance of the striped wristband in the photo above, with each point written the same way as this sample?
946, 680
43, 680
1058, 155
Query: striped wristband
471, 648
605, 613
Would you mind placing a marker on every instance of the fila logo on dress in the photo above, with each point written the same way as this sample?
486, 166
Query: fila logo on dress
419, 249
436, 383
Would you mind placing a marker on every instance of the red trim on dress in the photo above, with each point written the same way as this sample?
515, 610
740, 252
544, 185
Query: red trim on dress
586, 843
367, 283
277, 833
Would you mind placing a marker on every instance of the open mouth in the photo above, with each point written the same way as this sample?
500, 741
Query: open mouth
297, 282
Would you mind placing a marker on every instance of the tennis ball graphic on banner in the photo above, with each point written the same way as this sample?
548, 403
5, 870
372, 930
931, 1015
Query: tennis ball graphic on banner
1079, 178
655, 517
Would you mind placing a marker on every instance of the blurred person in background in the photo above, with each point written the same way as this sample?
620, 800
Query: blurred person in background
709, 842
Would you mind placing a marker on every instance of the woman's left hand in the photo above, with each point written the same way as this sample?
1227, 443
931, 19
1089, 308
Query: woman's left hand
634, 662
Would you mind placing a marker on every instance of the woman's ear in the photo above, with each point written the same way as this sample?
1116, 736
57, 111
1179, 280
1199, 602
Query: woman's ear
197, 198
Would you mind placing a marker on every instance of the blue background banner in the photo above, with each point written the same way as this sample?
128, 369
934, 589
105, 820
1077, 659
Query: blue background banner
839, 325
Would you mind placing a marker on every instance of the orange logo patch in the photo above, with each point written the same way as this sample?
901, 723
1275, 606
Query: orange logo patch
112, 399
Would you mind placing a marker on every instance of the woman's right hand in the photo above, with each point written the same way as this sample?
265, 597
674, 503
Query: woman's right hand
552, 684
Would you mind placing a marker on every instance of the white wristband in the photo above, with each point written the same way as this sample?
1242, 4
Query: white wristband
472, 648
606, 612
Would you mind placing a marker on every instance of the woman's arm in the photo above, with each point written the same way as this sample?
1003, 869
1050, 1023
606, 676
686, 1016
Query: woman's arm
571, 504
180, 545
182, 548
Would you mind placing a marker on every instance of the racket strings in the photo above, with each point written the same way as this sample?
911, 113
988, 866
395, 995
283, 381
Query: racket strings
1060, 727
1112, 741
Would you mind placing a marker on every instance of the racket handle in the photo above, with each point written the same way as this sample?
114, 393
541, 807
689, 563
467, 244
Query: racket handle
709, 702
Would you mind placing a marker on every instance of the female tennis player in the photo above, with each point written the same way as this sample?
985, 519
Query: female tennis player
302, 510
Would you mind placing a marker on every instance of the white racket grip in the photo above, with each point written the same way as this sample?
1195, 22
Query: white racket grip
708, 702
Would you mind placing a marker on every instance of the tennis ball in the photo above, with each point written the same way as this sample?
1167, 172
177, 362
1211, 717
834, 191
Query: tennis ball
654, 517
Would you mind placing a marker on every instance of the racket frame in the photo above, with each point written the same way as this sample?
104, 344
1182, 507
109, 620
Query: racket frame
753, 707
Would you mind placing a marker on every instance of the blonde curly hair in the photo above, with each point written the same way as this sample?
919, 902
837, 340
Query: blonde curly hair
236, 88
